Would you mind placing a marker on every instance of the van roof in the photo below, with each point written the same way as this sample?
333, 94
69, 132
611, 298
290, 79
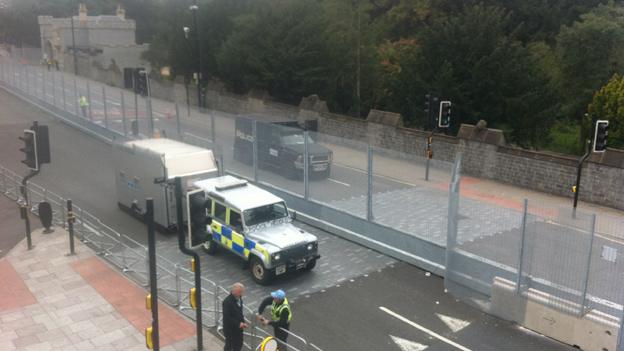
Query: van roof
236, 192
180, 159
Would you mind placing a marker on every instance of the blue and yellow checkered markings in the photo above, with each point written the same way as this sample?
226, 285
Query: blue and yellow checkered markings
232, 240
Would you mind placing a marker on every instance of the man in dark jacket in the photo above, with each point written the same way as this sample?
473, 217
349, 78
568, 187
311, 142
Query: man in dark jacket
280, 316
233, 319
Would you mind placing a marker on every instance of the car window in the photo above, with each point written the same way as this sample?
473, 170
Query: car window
295, 139
265, 213
236, 221
219, 211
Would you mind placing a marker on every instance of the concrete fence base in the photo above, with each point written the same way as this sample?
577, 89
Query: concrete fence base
594, 331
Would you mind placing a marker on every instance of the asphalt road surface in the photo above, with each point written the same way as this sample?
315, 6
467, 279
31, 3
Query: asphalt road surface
373, 303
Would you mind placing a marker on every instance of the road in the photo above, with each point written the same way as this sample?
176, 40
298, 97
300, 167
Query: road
337, 305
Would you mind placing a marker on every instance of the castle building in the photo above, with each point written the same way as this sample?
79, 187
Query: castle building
102, 43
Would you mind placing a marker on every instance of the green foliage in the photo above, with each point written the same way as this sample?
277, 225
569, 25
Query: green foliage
608, 103
281, 49
563, 138
589, 52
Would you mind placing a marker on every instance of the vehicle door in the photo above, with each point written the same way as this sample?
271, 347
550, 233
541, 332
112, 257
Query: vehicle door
219, 215
235, 227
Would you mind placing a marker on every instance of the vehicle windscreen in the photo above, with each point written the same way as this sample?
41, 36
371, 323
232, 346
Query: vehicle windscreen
266, 213
295, 139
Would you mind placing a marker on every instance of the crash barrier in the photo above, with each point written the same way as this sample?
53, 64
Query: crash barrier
594, 331
131, 258
411, 220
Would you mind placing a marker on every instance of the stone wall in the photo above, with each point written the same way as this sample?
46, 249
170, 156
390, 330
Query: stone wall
602, 180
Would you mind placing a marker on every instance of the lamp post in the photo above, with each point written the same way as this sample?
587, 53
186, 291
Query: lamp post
194, 8
186, 88
74, 46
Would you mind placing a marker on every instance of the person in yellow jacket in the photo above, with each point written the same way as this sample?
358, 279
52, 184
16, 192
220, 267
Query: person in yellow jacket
84, 104
280, 316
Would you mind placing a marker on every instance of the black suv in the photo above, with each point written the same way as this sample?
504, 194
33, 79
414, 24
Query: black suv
281, 146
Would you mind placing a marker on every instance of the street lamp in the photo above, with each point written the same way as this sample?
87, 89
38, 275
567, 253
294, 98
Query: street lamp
194, 9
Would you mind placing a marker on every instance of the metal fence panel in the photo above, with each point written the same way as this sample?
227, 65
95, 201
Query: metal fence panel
556, 256
404, 200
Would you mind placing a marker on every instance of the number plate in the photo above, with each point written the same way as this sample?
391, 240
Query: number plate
280, 269
301, 265
320, 167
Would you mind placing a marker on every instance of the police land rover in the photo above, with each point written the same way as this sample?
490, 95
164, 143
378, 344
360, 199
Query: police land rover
255, 225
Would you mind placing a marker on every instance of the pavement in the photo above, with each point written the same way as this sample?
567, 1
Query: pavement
53, 301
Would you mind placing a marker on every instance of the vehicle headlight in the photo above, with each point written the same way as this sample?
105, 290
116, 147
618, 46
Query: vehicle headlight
310, 246
276, 257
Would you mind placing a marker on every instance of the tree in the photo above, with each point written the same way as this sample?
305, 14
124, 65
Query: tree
589, 52
469, 59
280, 46
608, 103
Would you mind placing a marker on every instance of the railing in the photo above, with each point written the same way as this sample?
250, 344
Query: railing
131, 258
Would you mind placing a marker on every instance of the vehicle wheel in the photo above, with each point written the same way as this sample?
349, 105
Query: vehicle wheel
259, 273
310, 266
210, 247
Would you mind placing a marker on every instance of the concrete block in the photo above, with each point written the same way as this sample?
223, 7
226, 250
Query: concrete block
594, 331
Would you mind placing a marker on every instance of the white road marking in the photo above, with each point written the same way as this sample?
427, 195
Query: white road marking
339, 182
407, 345
425, 330
455, 324
376, 175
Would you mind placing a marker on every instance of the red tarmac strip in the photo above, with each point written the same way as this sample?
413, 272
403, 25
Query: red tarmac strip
13, 292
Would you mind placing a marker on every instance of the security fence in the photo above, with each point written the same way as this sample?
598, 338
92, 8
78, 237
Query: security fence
400, 204
344, 183
131, 258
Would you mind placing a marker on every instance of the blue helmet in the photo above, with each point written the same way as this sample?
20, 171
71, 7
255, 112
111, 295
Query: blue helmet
278, 294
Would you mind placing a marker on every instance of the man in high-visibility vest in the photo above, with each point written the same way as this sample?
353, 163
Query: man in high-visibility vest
84, 104
280, 316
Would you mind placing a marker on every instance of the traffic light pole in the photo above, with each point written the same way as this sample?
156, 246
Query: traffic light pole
24, 206
184, 250
151, 243
429, 153
579, 168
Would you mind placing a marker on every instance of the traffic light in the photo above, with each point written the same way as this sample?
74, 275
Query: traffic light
600, 136
444, 119
30, 149
197, 218
140, 82
36, 146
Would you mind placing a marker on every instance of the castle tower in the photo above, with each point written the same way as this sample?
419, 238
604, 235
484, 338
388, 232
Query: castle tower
121, 12
82, 12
